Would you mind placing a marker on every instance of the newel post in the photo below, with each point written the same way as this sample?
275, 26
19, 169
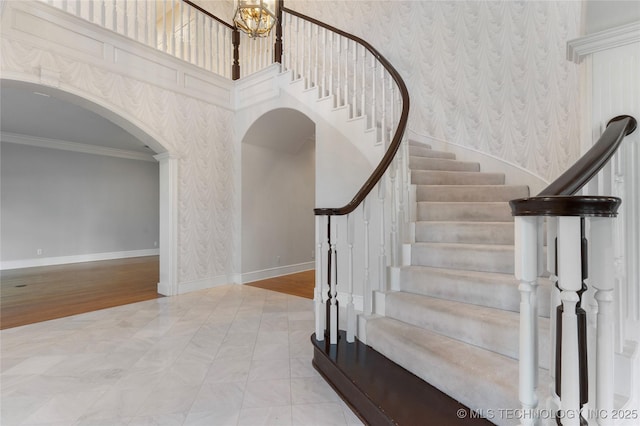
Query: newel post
602, 279
277, 48
526, 271
235, 68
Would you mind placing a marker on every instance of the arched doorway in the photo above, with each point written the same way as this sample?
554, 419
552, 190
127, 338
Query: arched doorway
278, 195
43, 118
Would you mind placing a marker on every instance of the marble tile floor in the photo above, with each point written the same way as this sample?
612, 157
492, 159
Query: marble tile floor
232, 355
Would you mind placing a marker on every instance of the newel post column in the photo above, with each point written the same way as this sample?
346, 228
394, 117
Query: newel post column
602, 279
526, 271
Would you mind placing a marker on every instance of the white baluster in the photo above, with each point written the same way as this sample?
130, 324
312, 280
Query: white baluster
318, 302
316, 64
394, 214
570, 282
351, 313
333, 312
366, 217
354, 99
526, 271
382, 261
602, 279
363, 90
374, 119
552, 234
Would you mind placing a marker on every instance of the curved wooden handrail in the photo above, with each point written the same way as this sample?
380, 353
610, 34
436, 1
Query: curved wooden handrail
209, 14
556, 199
379, 171
594, 160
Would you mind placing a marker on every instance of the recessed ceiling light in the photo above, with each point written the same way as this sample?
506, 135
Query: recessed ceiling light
42, 94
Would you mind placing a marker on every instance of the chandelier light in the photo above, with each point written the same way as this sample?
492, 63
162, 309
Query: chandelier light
255, 17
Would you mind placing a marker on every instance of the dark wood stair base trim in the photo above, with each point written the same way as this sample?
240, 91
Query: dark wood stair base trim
380, 391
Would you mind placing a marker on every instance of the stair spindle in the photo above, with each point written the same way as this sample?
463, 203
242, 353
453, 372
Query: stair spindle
351, 313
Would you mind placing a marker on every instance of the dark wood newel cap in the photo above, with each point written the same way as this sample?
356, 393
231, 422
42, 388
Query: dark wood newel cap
561, 205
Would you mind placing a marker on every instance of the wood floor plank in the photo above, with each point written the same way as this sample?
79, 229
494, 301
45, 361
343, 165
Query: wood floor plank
31, 295
299, 284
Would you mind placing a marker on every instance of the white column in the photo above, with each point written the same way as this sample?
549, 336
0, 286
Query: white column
552, 233
168, 284
526, 271
570, 282
366, 286
318, 303
602, 279
351, 313
333, 311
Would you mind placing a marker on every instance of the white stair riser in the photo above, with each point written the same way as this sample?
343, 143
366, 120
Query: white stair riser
444, 177
465, 232
418, 151
423, 163
498, 291
464, 212
467, 257
470, 193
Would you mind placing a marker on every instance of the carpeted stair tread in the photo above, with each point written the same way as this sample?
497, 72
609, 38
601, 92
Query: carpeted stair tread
485, 211
420, 151
424, 163
489, 289
493, 329
464, 232
467, 193
447, 177
478, 378
418, 144
470, 257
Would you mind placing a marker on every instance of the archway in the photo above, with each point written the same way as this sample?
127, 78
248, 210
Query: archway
167, 179
278, 195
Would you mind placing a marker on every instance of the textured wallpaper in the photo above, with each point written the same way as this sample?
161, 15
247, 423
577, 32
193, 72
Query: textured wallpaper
491, 76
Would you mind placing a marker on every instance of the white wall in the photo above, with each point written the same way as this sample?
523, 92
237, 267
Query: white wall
601, 15
278, 196
70, 204
491, 76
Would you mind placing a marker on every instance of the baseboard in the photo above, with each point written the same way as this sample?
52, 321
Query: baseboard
264, 274
64, 260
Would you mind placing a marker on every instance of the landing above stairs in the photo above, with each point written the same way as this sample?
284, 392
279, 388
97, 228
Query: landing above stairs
381, 392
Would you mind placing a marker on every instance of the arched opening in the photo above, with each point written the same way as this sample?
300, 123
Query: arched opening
278, 195
80, 183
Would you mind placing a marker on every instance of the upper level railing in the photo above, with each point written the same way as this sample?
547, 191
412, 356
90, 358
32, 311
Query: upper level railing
176, 27
579, 251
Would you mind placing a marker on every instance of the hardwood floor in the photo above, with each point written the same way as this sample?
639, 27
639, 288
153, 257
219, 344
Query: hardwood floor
31, 295
298, 284
38, 294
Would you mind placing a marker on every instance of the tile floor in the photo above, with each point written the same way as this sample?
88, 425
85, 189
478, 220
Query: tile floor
232, 355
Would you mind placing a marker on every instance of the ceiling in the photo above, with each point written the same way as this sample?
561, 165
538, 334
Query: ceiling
36, 111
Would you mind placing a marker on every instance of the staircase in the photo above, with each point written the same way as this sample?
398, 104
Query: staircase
452, 318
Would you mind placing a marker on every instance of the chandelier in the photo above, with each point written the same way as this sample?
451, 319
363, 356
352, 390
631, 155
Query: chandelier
255, 17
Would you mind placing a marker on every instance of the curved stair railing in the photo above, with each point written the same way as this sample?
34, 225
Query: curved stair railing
358, 78
580, 247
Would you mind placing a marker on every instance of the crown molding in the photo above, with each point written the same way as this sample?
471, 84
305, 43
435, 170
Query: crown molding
74, 146
580, 47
